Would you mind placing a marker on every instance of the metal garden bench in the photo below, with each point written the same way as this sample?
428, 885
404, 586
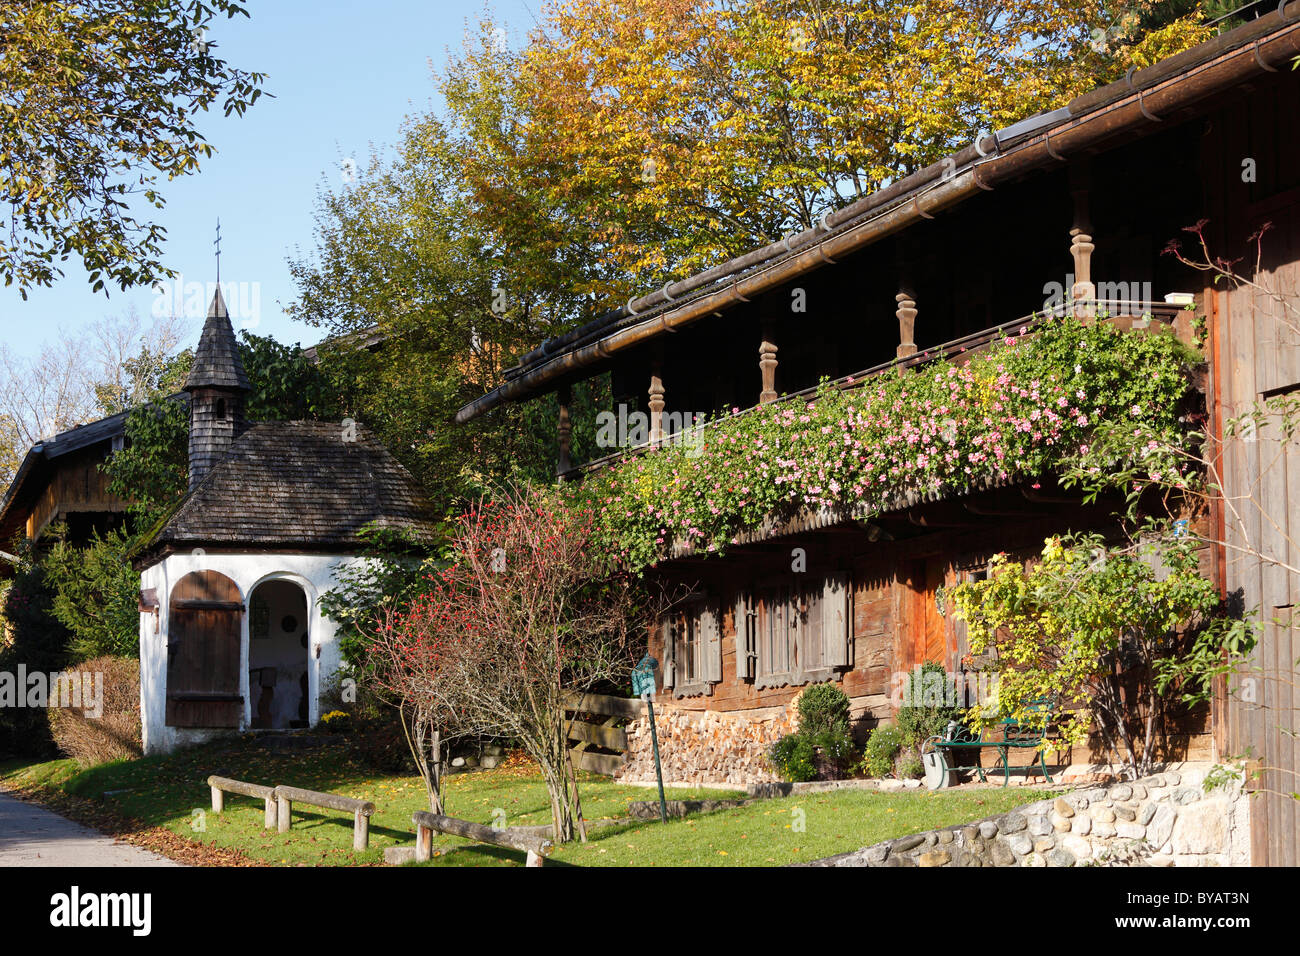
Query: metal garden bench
1011, 734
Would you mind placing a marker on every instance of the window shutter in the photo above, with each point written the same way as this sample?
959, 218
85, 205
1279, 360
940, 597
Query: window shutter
836, 626
746, 637
710, 641
668, 639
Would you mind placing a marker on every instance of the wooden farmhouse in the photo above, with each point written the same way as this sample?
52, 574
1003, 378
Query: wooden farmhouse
1081, 201
232, 636
60, 480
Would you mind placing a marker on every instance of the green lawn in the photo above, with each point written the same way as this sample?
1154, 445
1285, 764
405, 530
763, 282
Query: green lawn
166, 792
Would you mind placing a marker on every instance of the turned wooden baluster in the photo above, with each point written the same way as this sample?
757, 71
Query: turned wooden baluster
767, 365
906, 312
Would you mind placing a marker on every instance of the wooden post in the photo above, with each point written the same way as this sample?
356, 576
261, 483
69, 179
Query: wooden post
564, 428
906, 313
218, 801
423, 842
360, 831
285, 813
656, 392
1083, 292
270, 818
767, 364
534, 859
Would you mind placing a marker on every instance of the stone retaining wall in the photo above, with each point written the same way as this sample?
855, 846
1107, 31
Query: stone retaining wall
1163, 820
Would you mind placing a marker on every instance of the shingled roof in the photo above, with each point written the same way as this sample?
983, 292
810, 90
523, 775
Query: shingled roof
297, 486
216, 362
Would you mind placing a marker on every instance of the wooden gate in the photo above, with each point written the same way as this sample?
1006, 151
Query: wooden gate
591, 742
203, 645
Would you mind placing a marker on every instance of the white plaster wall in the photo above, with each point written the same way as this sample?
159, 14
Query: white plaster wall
316, 574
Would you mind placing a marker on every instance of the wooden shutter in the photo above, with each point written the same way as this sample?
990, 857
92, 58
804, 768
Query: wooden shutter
710, 641
836, 623
203, 651
746, 637
668, 639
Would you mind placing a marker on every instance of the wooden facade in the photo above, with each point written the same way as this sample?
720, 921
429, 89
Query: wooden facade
1254, 179
62, 480
1083, 201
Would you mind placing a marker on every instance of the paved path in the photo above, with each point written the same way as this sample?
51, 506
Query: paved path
33, 836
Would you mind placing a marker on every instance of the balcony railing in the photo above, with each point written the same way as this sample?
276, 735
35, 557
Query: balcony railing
1130, 315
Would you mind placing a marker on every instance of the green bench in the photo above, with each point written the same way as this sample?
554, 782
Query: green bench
1010, 734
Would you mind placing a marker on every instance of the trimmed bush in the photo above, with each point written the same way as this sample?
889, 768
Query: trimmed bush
823, 708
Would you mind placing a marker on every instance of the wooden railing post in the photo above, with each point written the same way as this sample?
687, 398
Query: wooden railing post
423, 842
906, 313
285, 813
360, 830
656, 392
1084, 292
564, 428
767, 365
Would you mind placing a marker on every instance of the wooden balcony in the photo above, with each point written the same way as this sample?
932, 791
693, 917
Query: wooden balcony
1130, 316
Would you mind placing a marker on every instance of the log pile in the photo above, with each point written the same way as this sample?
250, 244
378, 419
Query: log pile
697, 747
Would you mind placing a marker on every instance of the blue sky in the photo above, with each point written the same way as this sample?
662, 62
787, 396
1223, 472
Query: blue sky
345, 74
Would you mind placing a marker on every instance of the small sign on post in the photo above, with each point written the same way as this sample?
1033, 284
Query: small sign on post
643, 685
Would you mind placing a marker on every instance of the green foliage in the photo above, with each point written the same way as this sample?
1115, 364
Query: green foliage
95, 595
101, 101
32, 637
883, 747
792, 757
1027, 407
371, 592
927, 707
285, 384
1089, 617
151, 470
823, 709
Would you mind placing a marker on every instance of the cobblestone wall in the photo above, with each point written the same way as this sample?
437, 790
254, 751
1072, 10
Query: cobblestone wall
1166, 819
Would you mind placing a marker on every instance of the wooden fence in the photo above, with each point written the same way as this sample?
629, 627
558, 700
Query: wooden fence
607, 735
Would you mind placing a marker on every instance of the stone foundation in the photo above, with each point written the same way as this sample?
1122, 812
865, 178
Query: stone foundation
1166, 819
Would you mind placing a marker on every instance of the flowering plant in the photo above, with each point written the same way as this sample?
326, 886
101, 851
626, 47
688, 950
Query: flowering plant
1025, 407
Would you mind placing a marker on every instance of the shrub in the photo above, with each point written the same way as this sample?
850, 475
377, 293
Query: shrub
833, 752
96, 594
882, 747
115, 733
30, 636
823, 708
792, 758
926, 712
910, 767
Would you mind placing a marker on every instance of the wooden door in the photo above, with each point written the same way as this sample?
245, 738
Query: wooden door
203, 650
925, 636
